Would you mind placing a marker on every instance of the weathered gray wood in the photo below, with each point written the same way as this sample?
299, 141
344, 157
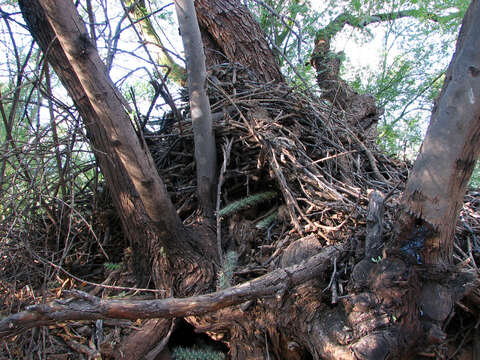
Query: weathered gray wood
87, 307
373, 238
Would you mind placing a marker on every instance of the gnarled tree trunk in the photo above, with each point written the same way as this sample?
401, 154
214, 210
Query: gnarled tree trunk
439, 178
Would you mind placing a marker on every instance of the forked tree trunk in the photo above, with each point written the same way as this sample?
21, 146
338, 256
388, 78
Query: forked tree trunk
380, 317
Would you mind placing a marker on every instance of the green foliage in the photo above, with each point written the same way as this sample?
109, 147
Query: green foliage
415, 53
183, 353
246, 202
475, 179
405, 75
290, 26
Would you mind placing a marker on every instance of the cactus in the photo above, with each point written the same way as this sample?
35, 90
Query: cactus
265, 223
182, 353
225, 275
246, 202
112, 266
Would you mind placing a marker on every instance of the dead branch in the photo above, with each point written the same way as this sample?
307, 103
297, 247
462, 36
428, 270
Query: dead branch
87, 307
373, 238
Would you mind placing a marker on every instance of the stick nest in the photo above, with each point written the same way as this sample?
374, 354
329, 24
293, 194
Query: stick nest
320, 165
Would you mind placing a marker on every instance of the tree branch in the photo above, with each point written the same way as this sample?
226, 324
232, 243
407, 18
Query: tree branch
163, 58
204, 139
343, 19
84, 306
373, 237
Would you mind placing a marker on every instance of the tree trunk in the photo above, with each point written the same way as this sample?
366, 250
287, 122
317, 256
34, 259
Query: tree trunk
204, 138
439, 178
393, 301
149, 219
360, 109
231, 34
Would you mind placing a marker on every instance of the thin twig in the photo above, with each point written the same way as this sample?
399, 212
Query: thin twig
226, 148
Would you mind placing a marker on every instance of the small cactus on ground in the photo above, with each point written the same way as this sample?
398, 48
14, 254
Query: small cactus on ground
246, 202
183, 353
225, 275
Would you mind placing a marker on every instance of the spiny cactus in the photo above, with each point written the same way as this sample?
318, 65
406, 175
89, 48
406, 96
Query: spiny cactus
225, 275
265, 223
112, 266
246, 202
182, 353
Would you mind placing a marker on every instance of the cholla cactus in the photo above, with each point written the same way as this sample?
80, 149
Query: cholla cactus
182, 353
225, 275
246, 202
112, 266
265, 223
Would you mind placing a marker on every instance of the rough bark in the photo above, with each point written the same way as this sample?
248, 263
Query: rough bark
231, 34
111, 165
380, 318
109, 106
439, 178
361, 110
204, 139
148, 217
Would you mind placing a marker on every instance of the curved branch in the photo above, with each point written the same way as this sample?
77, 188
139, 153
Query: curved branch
327, 65
87, 307
325, 35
